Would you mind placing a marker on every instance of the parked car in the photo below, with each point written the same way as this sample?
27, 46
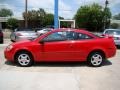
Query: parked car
62, 45
115, 33
43, 31
1, 37
50, 26
22, 34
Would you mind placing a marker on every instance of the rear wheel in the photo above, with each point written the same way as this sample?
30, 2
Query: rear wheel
24, 59
96, 59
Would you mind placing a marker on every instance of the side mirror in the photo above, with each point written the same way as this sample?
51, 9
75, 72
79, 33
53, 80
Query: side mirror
41, 41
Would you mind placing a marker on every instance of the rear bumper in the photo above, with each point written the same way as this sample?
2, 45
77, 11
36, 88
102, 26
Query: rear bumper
25, 38
111, 52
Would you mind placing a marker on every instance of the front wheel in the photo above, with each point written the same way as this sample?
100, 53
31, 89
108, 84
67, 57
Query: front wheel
24, 59
96, 59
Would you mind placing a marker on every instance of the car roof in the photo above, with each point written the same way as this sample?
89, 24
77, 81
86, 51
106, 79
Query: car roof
70, 29
112, 29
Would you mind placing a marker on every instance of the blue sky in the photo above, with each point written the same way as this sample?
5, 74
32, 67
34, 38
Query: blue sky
67, 8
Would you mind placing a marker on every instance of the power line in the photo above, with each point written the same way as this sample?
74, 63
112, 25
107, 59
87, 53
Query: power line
30, 7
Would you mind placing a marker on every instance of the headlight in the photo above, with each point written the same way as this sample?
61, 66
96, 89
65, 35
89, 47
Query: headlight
10, 47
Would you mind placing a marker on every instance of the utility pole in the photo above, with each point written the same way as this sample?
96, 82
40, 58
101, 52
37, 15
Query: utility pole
56, 14
26, 19
105, 17
106, 3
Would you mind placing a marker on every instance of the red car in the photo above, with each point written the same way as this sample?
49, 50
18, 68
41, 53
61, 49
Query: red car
66, 45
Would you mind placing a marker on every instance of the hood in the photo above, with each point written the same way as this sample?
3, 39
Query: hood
22, 43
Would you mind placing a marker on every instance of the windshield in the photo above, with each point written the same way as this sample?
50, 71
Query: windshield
117, 32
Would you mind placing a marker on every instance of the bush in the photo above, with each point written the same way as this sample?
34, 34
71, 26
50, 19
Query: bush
12, 23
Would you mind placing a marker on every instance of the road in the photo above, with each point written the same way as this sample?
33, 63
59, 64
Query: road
59, 76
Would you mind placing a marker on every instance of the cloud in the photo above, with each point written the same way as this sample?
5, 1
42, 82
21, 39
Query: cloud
87, 2
2, 1
114, 5
48, 5
7, 6
41, 4
100, 2
67, 8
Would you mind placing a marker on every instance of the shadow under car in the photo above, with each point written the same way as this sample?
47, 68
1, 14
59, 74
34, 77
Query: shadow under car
60, 64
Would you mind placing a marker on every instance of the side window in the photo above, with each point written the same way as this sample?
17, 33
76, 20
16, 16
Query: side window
70, 35
57, 36
81, 36
66, 35
109, 32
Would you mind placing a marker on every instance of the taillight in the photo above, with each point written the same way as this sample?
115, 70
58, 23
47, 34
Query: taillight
1, 34
118, 38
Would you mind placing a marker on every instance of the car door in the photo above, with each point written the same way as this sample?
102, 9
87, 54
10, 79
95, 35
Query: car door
56, 47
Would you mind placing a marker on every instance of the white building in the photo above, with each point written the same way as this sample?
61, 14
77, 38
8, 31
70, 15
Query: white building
115, 21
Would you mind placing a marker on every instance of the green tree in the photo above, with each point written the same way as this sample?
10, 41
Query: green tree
39, 18
5, 12
92, 17
12, 23
36, 17
49, 19
107, 15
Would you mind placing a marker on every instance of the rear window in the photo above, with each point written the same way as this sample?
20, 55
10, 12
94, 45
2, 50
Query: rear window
23, 30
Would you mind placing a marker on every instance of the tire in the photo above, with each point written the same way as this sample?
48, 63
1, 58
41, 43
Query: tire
12, 41
96, 59
24, 59
1, 42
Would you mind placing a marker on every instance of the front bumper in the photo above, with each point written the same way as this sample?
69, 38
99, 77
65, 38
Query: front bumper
9, 55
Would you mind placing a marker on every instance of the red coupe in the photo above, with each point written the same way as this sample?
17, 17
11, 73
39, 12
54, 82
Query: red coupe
66, 45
